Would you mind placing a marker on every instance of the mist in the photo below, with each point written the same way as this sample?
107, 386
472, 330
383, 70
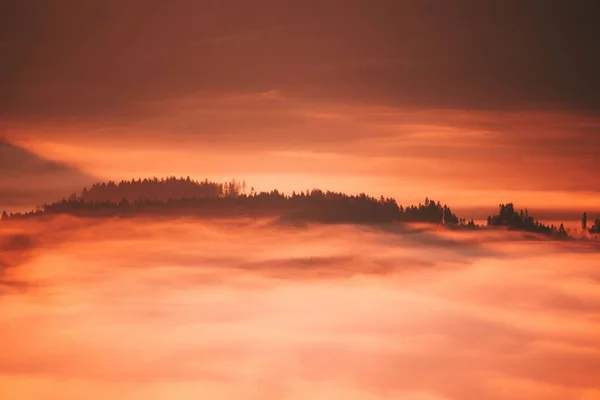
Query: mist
255, 309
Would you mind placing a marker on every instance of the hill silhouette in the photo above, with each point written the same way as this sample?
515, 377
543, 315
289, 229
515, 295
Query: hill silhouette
188, 196
185, 196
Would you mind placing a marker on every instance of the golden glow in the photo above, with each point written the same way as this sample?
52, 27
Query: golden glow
466, 159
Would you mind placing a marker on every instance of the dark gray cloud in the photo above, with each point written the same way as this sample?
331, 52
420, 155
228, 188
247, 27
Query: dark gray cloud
14, 250
111, 59
16, 160
27, 179
17, 242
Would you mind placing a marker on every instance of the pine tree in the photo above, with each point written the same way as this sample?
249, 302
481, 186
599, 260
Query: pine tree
561, 231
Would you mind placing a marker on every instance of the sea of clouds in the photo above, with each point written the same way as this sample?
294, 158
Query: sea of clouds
259, 309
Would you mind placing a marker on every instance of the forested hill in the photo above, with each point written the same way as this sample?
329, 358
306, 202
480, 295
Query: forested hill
210, 199
159, 189
188, 196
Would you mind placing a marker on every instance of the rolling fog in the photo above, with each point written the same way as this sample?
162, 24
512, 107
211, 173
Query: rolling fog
247, 309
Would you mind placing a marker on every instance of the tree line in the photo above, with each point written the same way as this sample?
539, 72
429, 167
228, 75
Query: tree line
595, 228
521, 220
187, 196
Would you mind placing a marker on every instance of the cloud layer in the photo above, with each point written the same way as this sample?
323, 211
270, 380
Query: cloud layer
253, 309
71, 59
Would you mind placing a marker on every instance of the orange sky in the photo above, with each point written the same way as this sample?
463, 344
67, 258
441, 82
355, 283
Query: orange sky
467, 159
396, 99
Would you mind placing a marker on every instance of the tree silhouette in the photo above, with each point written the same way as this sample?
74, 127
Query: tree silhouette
507, 216
158, 189
185, 196
561, 231
596, 227
584, 221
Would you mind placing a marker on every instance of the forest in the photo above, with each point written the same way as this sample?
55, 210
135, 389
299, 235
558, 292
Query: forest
185, 196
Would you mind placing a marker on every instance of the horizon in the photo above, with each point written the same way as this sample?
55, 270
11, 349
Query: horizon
187, 196
569, 216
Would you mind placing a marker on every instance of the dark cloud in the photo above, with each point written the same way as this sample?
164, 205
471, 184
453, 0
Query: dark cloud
450, 249
27, 179
112, 59
17, 242
14, 159
15, 248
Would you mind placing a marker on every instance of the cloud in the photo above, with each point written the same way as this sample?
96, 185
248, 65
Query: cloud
96, 65
202, 307
17, 242
27, 179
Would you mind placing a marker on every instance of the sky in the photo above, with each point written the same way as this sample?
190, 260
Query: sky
470, 102
474, 103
